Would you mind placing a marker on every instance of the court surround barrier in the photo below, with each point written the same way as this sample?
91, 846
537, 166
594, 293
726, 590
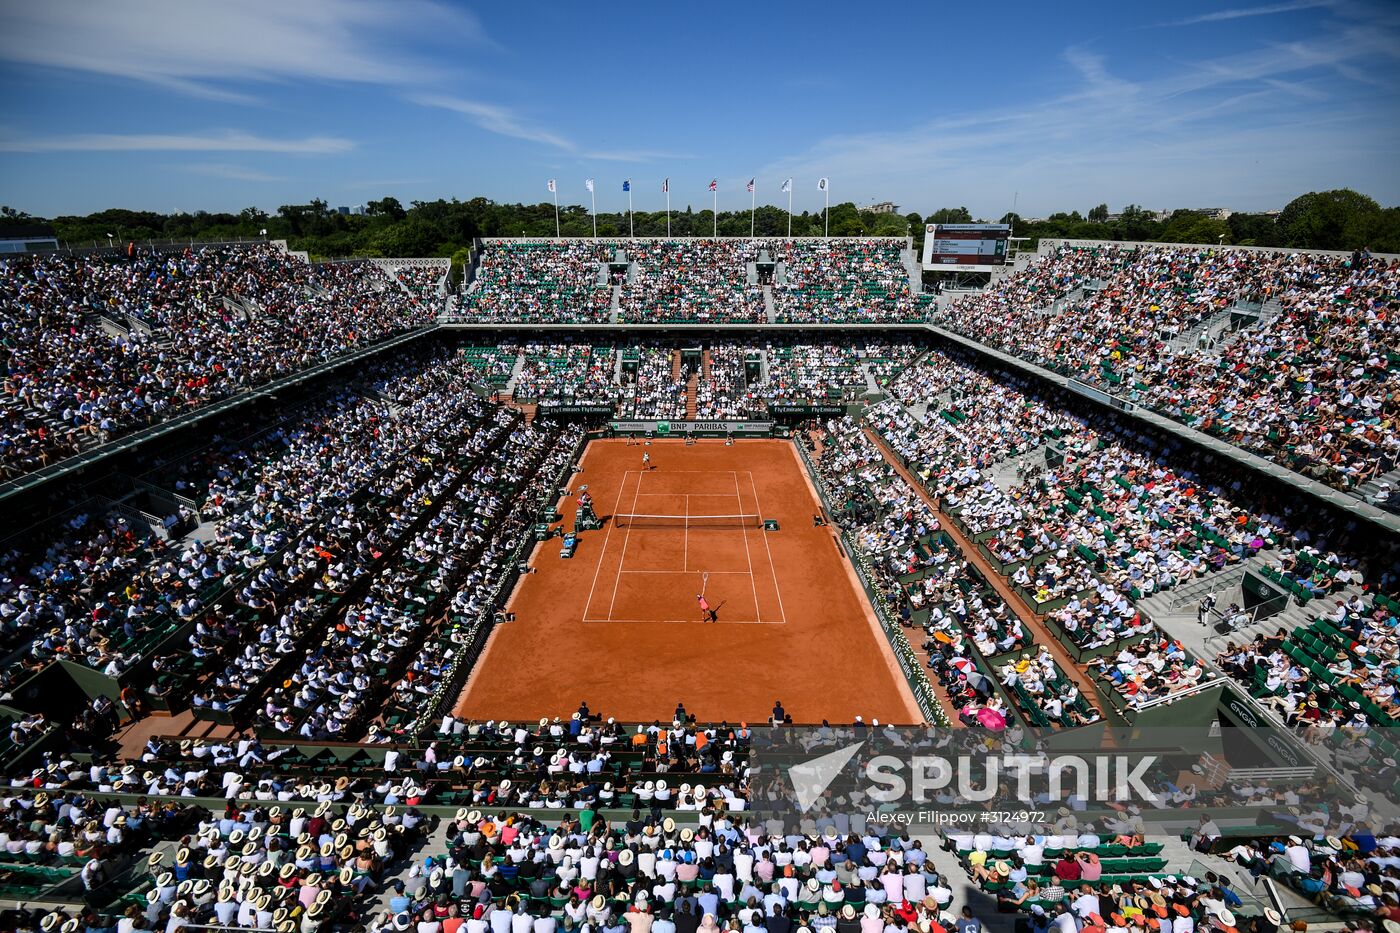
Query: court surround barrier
450, 685
914, 675
693, 428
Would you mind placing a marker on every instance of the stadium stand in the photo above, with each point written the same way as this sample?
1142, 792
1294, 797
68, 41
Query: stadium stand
308, 600
1289, 355
98, 345
691, 282
539, 283
842, 281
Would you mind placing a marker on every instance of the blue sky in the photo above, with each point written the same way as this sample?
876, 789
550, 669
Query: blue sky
187, 104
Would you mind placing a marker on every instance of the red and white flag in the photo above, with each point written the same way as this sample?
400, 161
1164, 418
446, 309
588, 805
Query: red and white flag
714, 184
751, 181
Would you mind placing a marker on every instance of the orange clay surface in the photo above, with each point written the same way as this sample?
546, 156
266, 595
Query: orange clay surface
619, 626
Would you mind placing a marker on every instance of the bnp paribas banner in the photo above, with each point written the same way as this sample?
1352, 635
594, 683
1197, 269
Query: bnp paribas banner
676, 428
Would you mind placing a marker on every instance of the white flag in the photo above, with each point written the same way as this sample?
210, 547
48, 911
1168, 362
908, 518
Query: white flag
551, 184
821, 185
589, 184
787, 185
665, 185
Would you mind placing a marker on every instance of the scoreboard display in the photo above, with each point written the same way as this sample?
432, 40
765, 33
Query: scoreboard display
966, 244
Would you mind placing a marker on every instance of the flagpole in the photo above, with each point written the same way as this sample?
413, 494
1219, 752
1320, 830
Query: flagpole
715, 212
826, 218
668, 211
789, 187
630, 234
556, 213
593, 196
753, 198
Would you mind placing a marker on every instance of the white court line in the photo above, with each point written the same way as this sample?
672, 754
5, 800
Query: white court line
682, 622
772, 569
747, 556
685, 555
712, 573
623, 559
606, 535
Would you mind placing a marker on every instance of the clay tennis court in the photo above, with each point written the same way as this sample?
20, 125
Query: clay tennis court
618, 625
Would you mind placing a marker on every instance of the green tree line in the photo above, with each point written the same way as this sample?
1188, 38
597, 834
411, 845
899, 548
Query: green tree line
1340, 219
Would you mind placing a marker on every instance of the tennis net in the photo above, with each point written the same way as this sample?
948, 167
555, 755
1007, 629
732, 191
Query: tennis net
638, 520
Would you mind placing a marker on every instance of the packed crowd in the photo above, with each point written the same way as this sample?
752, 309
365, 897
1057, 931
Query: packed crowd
1081, 541
658, 388
691, 281
573, 373
264, 867
101, 591
814, 372
1306, 374
427, 281
96, 346
481, 557
1354, 875
540, 283
1106, 877
1334, 679
722, 390
842, 281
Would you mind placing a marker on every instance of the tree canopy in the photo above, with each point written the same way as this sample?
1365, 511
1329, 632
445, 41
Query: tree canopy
1339, 219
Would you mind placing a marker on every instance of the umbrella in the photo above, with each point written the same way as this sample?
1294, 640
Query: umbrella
991, 719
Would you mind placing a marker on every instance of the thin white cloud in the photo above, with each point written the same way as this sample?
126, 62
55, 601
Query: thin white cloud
632, 155
1097, 80
1273, 9
225, 141
195, 48
495, 119
231, 172
1238, 120
506, 122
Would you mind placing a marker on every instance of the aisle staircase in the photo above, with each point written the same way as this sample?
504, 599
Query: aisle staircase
675, 366
690, 386
1370, 491
705, 363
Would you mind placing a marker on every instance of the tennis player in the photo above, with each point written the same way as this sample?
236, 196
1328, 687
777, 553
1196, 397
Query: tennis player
646, 460
707, 614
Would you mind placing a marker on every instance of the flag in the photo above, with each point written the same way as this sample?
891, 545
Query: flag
588, 184
751, 181
821, 185
714, 184
787, 185
551, 184
665, 185
627, 185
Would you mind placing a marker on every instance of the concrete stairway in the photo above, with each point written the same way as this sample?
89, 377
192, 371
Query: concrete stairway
515, 370
1204, 334
690, 389
1370, 491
